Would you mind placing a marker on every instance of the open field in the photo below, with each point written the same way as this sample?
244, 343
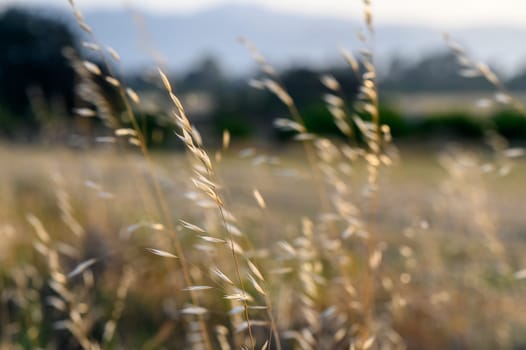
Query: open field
160, 228
451, 237
422, 104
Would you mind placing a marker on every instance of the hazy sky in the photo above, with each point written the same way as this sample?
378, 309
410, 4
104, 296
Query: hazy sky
438, 13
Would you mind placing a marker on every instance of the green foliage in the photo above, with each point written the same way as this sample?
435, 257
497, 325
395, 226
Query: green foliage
8, 122
318, 120
510, 124
155, 133
32, 56
455, 124
32, 64
238, 126
400, 127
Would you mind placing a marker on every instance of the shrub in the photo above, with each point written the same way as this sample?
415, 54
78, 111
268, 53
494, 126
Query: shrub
510, 124
456, 124
318, 120
400, 127
238, 126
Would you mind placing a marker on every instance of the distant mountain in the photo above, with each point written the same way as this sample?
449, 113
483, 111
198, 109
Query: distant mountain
285, 38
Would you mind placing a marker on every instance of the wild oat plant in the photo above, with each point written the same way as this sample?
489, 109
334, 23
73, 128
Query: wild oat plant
338, 244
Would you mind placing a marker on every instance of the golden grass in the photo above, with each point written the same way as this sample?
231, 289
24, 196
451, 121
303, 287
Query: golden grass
344, 245
439, 280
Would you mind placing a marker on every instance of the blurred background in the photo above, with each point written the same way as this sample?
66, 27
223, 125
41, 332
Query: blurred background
447, 219
424, 98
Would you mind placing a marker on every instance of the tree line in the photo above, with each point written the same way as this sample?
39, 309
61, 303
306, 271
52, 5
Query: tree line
38, 87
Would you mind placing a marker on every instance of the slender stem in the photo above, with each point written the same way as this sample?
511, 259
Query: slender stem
238, 275
165, 213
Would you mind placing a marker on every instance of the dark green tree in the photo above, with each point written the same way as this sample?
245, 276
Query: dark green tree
31, 58
206, 76
436, 72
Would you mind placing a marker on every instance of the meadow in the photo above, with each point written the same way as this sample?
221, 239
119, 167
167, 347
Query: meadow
450, 237
324, 242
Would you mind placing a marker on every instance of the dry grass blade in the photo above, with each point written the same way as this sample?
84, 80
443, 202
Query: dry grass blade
256, 84
82, 267
226, 139
212, 239
39, 228
333, 100
236, 310
470, 73
221, 275
85, 27
456, 47
92, 68
194, 310
488, 73
255, 270
256, 285
287, 124
520, 275
368, 343
287, 247
279, 91
165, 81
305, 137
353, 63
134, 141
133, 95
109, 330
231, 228
125, 132
91, 46
105, 139
191, 226
112, 81
134, 227
57, 303
85, 112
113, 54
253, 323
197, 288
197, 136
330, 82
157, 226
239, 296
161, 253
514, 152
259, 199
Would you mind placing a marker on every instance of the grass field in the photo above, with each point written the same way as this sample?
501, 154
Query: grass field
421, 104
344, 243
450, 236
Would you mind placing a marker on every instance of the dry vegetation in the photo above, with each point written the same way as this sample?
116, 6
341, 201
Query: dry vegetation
331, 245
